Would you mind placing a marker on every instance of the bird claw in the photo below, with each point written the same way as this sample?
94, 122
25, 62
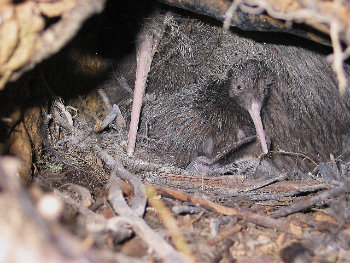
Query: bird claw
200, 165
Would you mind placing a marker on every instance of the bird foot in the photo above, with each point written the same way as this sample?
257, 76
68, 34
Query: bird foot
201, 165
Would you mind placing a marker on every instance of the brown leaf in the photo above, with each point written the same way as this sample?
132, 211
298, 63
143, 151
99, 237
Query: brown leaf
320, 216
295, 229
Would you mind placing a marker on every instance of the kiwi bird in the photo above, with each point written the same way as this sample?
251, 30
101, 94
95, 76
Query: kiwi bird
203, 118
213, 87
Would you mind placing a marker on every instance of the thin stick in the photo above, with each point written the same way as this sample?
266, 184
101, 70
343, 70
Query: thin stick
113, 114
261, 220
225, 235
322, 197
154, 241
278, 178
105, 99
295, 154
139, 200
170, 223
229, 14
338, 56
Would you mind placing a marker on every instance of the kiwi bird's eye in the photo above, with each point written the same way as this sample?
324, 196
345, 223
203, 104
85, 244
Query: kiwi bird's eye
239, 87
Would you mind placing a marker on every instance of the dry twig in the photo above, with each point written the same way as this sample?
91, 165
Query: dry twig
139, 200
130, 215
24, 232
113, 114
240, 213
163, 249
338, 56
170, 223
95, 223
233, 230
322, 197
278, 178
78, 139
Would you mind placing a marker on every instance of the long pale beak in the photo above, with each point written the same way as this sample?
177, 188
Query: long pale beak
254, 112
